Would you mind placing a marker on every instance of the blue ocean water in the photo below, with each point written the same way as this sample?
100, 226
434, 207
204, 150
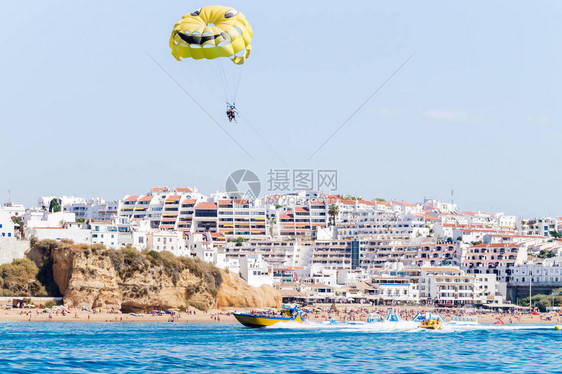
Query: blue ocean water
231, 348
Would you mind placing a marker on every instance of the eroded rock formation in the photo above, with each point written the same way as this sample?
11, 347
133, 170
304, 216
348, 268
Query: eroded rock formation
126, 280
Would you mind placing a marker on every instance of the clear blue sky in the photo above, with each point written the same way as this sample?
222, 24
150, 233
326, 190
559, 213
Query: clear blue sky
84, 111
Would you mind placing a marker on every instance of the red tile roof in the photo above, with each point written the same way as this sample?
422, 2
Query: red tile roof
131, 198
495, 245
183, 189
510, 234
332, 199
206, 206
173, 198
189, 201
425, 216
366, 202
348, 202
398, 202
156, 189
145, 198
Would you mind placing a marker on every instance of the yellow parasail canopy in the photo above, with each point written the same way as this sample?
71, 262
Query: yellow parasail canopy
212, 32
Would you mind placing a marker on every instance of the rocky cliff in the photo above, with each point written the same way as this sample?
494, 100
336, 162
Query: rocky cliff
127, 280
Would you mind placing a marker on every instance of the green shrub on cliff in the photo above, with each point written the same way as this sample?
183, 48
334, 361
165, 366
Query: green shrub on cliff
19, 279
128, 261
542, 301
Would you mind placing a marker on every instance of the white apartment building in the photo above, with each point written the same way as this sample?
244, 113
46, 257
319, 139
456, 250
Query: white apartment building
438, 254
7, 227
332, 254
548, 271
391, 224
479, 218
277, 253
447, 285
486, 289
323, 276
407, 208
64, 201
443, 231
113, 234
538, 226
96, 208
40, 218
477, 234
499, 259
182, 209
14, 210
394, 288
205, 246
78, 235
255, 271
510, 238
450, 218
349, 277
505, 221
411, 226
439, 207
171, 241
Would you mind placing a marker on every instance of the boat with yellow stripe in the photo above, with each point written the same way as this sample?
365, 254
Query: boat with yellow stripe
432, 324
263, 319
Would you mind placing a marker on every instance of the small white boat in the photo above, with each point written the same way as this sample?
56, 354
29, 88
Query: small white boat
374, 318
334, 321
463, 321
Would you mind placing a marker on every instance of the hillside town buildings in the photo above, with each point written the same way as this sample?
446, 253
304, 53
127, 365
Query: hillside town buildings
314, 246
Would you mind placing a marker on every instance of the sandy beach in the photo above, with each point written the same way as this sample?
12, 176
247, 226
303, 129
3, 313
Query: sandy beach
224, 316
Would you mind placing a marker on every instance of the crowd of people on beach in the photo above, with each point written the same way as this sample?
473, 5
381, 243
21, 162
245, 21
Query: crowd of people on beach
505, 316
315, 313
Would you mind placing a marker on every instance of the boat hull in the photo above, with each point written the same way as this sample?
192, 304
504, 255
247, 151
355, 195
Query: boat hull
249, 320
435, 325
462, 324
